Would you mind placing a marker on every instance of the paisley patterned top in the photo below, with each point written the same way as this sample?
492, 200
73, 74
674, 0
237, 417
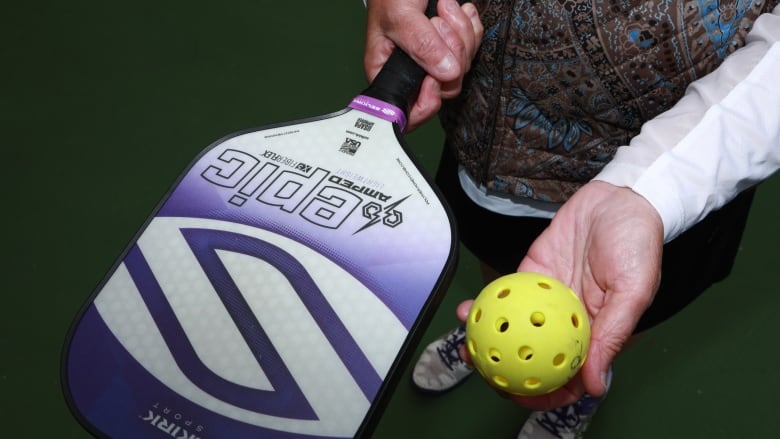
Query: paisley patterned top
558, 85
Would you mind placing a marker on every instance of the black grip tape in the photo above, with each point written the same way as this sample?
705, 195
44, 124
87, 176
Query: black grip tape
398, 82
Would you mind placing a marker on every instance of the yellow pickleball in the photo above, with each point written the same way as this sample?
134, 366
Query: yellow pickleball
527, 333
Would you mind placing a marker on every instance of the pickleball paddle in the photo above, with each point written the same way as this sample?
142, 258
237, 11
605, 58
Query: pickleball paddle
277, 289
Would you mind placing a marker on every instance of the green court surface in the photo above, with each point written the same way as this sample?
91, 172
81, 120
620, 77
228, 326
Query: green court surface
103, 104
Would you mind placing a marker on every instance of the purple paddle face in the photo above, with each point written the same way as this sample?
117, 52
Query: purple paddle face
272, 292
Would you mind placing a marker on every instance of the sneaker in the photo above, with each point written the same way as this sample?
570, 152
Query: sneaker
569, 422
440, 367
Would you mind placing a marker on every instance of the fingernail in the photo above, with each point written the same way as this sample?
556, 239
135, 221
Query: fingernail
606, 378
447, 64
470, 10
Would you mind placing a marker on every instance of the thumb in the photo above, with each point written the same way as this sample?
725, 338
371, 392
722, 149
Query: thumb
611, 330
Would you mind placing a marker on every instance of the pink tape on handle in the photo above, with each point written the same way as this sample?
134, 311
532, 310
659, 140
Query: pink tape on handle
380, 109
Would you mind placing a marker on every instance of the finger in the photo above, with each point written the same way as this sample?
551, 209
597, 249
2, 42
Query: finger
462, 311
611, 329
450, 89
476, 23
405, 25
465, 355
566, 395
427, 104
457, 29
422, 41
451, 24
464, 29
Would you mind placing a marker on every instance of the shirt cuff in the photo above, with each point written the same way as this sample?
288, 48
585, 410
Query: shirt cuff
721, 138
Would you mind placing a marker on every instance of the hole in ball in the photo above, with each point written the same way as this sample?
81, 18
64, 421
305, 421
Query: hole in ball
500, 381
503, 293
472, 347
502, 325
559, 360
537, 319
533, 383
525, 353
477, 315
495, 355
544, 285
575, 320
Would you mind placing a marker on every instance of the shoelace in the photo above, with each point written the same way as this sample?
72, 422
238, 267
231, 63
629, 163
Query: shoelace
572, 418
449, 353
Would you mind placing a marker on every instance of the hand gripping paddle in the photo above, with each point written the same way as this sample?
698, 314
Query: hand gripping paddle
277, 289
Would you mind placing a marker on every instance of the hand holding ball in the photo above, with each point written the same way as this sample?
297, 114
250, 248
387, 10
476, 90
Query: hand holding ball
527, 333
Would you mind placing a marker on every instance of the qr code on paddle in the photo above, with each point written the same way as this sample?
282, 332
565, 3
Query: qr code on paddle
350, 146
364, 125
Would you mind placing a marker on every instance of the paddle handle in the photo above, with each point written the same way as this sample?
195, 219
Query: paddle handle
398, 82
